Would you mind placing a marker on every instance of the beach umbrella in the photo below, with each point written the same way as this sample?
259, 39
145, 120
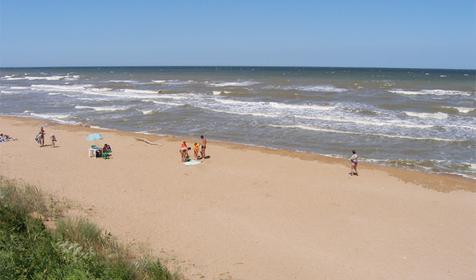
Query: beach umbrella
94, 137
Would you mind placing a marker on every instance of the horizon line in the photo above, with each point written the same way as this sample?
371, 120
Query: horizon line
234, 66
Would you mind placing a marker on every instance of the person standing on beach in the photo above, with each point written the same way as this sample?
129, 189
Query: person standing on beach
41, 135
196, 149
53, 141
204, 146
184, 152
353, 163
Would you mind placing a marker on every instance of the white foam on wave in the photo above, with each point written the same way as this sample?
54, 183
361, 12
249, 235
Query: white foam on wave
164, 103
321, 88
440, 92
392, 123
463, 110
67, 77
438, 116
19, 88
312, 88
8, 92
233, 84
88, 89
62, 88
462, 126
276, 105
123, 81
304, 127
139, 91
300, 106
173, 82
220, 92
244, 113
147, 112
238, 102
103, 108
59, 118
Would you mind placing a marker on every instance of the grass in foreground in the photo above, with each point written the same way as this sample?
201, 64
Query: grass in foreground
72, 249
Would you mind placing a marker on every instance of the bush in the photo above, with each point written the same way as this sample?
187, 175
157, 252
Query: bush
76, 249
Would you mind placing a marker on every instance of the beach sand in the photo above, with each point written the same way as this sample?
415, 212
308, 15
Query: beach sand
255, 213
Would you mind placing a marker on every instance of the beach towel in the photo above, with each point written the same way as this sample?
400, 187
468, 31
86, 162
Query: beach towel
192, 162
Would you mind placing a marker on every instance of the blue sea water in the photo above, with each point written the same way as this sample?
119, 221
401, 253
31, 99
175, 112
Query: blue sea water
414, 118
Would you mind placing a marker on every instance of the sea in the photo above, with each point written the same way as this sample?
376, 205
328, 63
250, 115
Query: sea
422, 119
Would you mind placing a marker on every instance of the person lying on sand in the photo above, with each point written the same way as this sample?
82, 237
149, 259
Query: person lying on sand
184, 152
353, 163
6, 138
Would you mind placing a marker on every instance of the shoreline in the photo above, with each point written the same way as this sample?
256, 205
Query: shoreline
254, 213
411, 175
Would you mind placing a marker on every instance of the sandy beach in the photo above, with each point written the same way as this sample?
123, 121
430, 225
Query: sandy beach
255, 213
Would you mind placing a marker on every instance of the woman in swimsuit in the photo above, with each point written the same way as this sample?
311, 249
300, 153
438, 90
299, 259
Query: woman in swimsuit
184, 151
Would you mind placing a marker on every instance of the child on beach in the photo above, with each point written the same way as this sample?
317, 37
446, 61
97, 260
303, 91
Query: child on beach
353, 164
53, 141
196, 149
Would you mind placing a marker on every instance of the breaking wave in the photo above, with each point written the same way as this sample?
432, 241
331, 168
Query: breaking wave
439, 92
438, 116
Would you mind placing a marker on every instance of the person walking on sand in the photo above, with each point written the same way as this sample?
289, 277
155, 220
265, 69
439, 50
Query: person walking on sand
204, 146
353, 163
53, 141
41, 135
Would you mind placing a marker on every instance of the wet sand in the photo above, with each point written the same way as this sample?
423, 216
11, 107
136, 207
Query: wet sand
255, 213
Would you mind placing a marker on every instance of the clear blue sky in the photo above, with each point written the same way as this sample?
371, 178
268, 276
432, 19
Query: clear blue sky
404, 33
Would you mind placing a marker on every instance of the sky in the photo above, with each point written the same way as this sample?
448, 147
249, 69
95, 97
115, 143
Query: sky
404, 33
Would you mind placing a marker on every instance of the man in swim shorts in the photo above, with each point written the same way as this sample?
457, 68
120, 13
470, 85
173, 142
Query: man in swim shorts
353, 164
204, 146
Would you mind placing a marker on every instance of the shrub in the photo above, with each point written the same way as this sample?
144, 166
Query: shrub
75, 249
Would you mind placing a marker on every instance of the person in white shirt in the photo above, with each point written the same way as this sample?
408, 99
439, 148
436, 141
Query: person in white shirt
353, 163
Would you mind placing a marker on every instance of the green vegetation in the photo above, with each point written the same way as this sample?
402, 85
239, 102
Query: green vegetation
67, 249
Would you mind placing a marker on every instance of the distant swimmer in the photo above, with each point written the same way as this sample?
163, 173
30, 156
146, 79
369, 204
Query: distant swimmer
353, 164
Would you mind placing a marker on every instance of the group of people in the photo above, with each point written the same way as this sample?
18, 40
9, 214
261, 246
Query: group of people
6, 138
199, 150
40, 138
104, 152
